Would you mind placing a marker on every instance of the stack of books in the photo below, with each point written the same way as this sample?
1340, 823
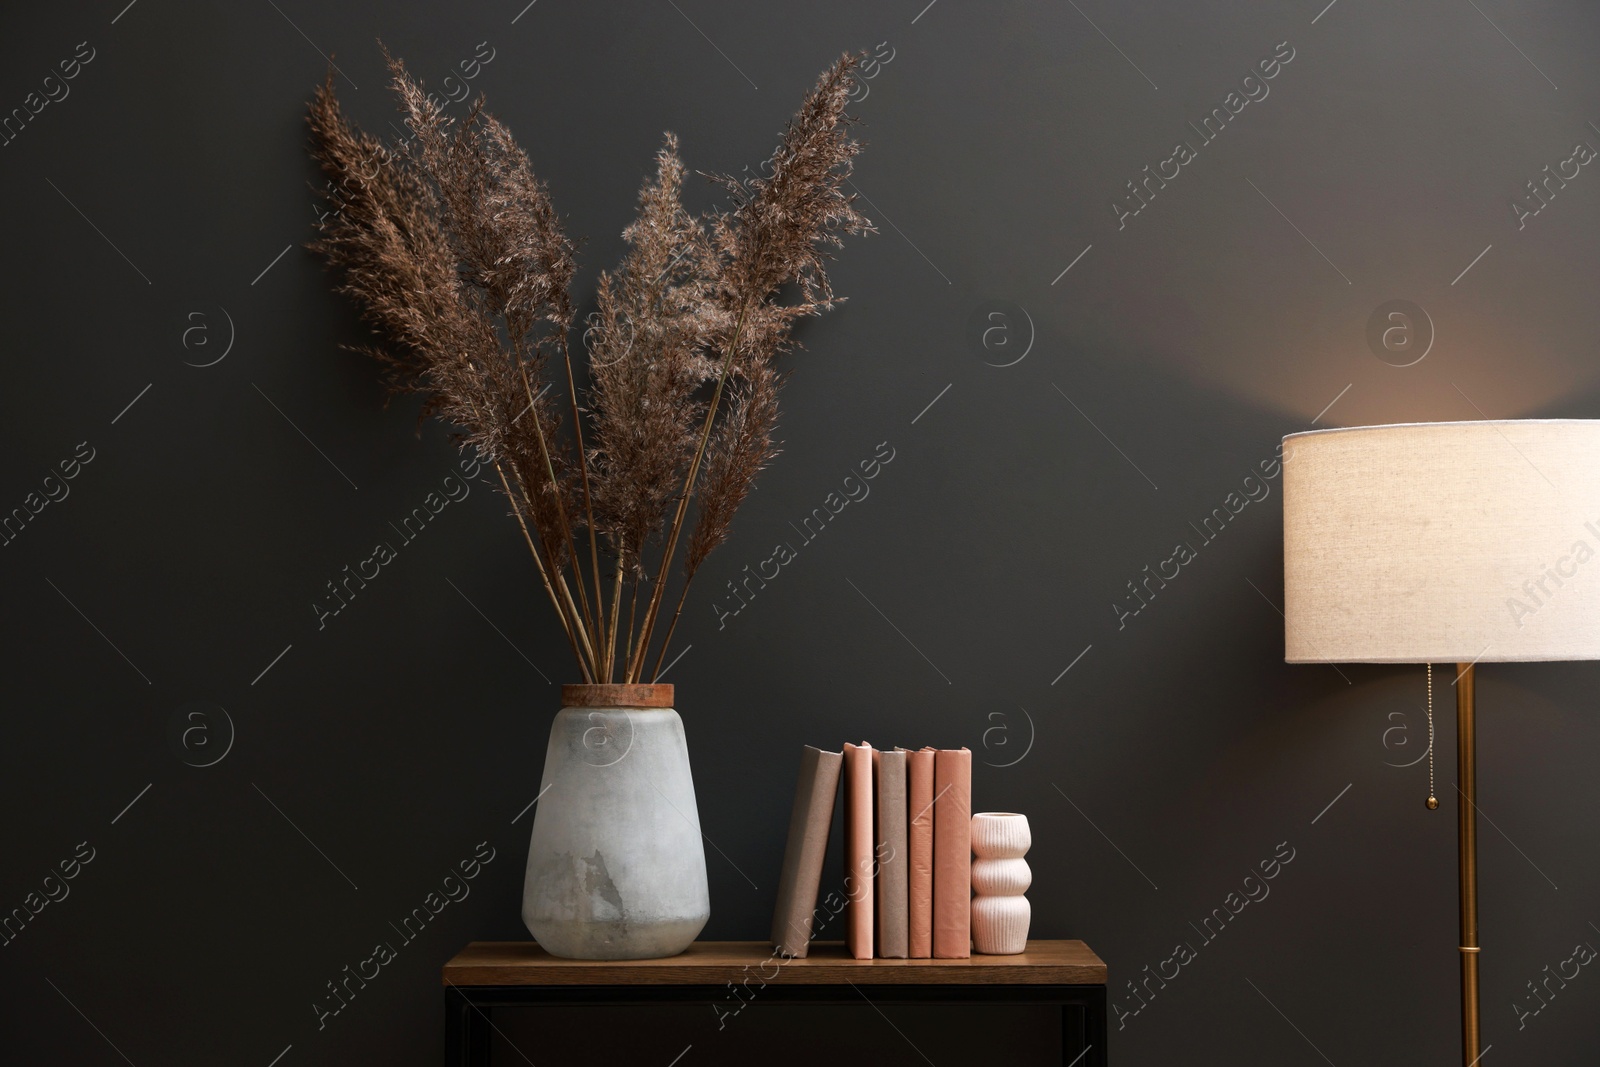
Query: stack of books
907, 853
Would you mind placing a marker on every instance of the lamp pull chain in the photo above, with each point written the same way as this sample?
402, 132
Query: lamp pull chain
1433, 800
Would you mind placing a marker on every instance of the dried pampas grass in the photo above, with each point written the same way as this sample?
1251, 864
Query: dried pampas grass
452, 250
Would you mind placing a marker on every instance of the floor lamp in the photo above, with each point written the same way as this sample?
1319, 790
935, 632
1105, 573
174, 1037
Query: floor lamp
1454, 543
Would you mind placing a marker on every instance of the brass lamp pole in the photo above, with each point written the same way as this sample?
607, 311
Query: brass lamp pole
1467, 850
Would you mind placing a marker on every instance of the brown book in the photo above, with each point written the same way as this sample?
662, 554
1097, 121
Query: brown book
809, 824
858, 862
919, 850
952, 853
893, 863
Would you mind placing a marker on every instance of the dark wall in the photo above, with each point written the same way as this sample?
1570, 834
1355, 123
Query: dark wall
162, 607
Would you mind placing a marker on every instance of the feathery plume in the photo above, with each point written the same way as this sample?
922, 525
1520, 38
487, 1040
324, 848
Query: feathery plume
452, 250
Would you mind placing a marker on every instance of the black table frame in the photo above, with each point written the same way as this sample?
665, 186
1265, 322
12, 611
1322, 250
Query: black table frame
469, 1027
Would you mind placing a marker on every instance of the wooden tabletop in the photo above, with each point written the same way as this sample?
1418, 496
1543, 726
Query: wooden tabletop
524, 963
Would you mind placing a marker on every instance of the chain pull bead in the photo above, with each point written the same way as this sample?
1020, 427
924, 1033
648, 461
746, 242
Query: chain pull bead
1433, 800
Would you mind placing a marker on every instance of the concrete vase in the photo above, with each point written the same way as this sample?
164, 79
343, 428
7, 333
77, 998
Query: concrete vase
616, 869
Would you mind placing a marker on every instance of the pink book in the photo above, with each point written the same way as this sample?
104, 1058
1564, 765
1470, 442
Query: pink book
858, 859
919, 797
952, 854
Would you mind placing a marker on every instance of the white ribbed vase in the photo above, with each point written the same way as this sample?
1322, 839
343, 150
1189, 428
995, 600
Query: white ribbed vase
1000, 877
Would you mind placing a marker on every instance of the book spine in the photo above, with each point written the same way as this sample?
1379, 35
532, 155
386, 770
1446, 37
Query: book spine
952, 854
810, 822
858, 850
919, 876
893, 863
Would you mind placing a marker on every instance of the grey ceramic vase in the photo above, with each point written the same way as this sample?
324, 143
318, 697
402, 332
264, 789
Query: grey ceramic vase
616, 869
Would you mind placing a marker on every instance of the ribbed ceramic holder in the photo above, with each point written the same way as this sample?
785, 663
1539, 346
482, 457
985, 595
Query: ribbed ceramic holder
1000, 877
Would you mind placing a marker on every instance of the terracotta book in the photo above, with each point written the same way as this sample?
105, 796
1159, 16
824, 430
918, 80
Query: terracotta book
809, 824
858, 861
891, 849
919, 850
952, 853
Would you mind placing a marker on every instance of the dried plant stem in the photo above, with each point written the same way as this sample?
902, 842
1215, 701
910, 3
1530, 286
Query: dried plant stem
560, 511
571, 614
583, 634
616, 613
585, 652
586, 622
633, 607
588, 507
545, 572
647, 626
543, 576
672, 628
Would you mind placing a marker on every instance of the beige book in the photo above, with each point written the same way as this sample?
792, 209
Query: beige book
809, 824
919, 851
890, 853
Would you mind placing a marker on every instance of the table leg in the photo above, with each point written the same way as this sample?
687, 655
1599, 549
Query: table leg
466, 1031
1072, 1036
1083, 1030
1094, 1028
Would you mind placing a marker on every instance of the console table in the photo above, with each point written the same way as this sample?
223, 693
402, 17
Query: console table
490, 974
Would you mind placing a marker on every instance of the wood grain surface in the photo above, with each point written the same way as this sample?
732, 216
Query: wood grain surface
491, 963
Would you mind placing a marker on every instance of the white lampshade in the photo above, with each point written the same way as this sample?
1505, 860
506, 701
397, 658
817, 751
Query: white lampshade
1443, 542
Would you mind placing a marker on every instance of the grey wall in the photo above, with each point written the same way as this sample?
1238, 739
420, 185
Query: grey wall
147, 210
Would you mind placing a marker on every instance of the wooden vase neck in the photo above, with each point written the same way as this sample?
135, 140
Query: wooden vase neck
616, 696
